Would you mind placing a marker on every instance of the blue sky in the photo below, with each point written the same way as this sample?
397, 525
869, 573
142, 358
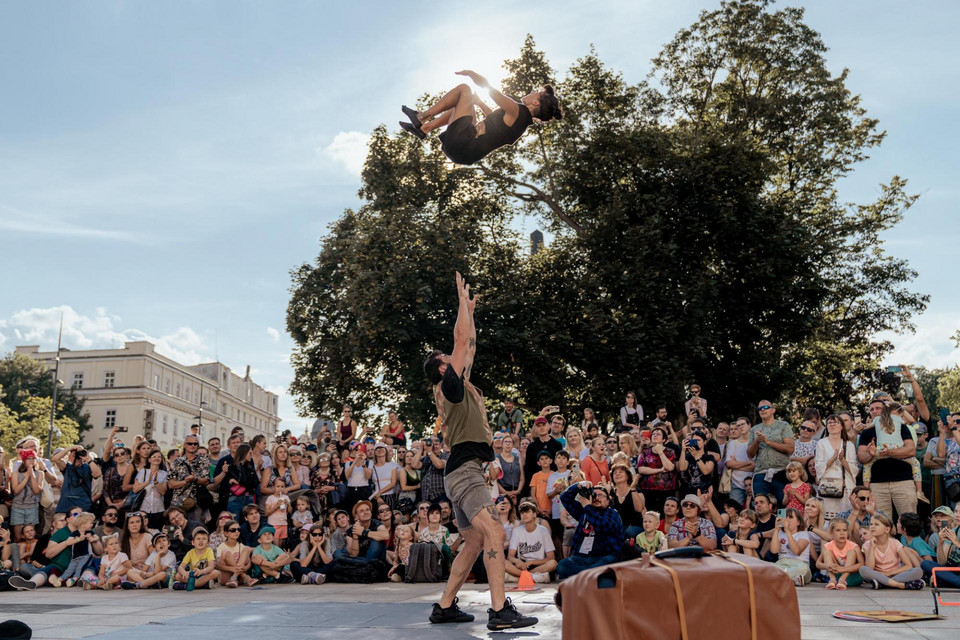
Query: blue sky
164, 165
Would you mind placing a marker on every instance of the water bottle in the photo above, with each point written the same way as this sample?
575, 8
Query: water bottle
191, 581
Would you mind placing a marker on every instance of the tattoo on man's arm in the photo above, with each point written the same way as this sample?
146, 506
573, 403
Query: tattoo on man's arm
492, 553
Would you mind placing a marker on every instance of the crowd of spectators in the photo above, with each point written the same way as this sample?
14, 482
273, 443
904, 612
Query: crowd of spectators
844, 500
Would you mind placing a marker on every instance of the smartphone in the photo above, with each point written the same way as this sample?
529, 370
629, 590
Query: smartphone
646, 434
122, 429
894, 369
944, 414
782, 514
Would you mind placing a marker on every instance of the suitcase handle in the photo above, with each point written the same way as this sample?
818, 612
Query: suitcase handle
681, 552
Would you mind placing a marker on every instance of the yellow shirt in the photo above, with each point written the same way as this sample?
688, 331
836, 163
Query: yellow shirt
197, 560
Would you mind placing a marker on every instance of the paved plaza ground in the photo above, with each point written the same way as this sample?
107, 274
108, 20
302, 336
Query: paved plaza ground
383, 612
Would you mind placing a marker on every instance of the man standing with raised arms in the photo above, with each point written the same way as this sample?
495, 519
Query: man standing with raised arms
460, 406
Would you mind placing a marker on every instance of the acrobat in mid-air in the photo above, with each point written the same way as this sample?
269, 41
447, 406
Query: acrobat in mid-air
467, 141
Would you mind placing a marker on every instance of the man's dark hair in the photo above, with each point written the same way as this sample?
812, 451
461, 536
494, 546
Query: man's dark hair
431, 367
661, 406
811, 413
549, 108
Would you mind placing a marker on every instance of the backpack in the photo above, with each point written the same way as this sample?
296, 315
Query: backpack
425, 563
354, 571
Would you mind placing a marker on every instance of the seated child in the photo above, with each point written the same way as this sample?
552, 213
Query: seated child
159, 566
841, 557
651, 539
745, 539
199, 565
270, 561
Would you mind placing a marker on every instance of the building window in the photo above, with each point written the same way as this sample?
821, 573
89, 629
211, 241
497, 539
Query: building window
164, 424
77, 380
110, 421
109, 379
156, 382
196, 397
178, 391
176, 427
166, 386
223, 409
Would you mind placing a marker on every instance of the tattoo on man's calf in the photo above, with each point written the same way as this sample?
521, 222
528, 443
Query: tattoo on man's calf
492, 553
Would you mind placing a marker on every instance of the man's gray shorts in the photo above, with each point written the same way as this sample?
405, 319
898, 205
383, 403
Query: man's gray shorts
468, 491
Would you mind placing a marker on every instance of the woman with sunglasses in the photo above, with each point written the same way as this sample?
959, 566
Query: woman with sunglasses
116, 468
324, 481
152, 479
384, 475
313, 557
346, 429
385, 515
421, 518
218, 537
233, 559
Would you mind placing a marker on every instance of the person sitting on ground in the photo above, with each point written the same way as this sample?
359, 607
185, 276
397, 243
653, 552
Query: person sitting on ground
531, 548
199, 565
251, 526
792, 547
651, 539
400, 557
841, 557
113, 566
367, 541
948, 555
467, 141
233, 559
887, 563
744, 538
313, 560
692, 530
911, 537
599, 533
159, 567
270, 562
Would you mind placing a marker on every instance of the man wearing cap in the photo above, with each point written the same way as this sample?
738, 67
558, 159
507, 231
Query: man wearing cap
941, 517
948, 551
542, 441
771, 445
692, 530
599, 533
461, 409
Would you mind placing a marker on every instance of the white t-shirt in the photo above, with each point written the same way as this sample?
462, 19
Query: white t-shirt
737, 451
114, 565
555, 477
493, 486
356, 478
381, 476
531, 546
786, 552
168, 561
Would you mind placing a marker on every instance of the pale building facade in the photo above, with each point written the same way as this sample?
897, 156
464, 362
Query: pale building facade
154, 396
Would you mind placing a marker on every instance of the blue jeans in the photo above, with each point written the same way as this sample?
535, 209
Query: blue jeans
575, 564
235, 504
761, 486
944, 579
376, 551
740, 495
631, 533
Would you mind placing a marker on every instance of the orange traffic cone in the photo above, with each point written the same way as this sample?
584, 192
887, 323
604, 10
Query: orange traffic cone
526, 582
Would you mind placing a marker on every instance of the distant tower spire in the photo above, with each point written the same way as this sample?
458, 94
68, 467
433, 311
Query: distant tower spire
536, 242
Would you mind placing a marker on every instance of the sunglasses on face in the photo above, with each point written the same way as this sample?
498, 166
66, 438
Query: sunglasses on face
764, 407
111, 514
315, 534
807, 429
689, 505
192, 444
295, 455
233, 530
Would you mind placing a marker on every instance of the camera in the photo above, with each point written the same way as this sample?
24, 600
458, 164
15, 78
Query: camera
81, 453
585, 492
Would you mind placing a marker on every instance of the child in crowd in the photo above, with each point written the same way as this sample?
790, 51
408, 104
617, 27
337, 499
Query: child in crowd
199, 565
84, 524
269, 560
313, 561
403, 540
277, 507
29, 554
911, 530
233, 559
651, 539
160, 566
531, 547
792, 546
436, 532
302, 515
113, 566
538, 484
745, 538
795, 494
841, 557
886, 563
569, 522
218, 537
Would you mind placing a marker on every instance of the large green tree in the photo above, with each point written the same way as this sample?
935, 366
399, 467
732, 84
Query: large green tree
697, 235
23, 378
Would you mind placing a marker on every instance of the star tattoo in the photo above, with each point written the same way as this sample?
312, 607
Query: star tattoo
492, 553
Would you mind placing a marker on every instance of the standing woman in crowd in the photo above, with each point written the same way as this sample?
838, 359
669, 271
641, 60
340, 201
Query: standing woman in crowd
658, 472
346, 429
116, 469
836, 464
241, 480
151, 478
323, 481
135, 540
575, 444
384, 476
141, 456
631, 413
627, 501
948, 449
512, 480
358, 472
25, 484
281, 469
628, 445
595, 467
409, 477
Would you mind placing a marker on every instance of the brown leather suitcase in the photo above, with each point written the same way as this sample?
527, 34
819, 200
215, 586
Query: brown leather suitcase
681, 593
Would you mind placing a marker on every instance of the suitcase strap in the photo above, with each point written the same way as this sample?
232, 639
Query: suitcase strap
750, 589
679, 592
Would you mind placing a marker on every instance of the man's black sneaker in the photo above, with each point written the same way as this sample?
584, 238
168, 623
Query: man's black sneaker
21, 584
453, 613
508, 618
409, 128
413, 115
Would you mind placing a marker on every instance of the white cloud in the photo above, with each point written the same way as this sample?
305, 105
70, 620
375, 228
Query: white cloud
39, 326
930, 346
274, 334
349, 148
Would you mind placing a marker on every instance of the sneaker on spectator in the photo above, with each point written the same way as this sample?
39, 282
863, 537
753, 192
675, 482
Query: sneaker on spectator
126, 584
179, 586
318, 578
55, 581
541, 577
508, 618
509, 577
305, 579
798, 581
914, 585
286, 578
873, 584
21, 584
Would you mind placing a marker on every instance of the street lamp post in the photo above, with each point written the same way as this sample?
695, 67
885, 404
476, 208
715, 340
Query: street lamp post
56, 384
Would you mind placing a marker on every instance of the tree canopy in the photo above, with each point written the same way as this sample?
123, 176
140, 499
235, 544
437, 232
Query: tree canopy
697, 236
22, 378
